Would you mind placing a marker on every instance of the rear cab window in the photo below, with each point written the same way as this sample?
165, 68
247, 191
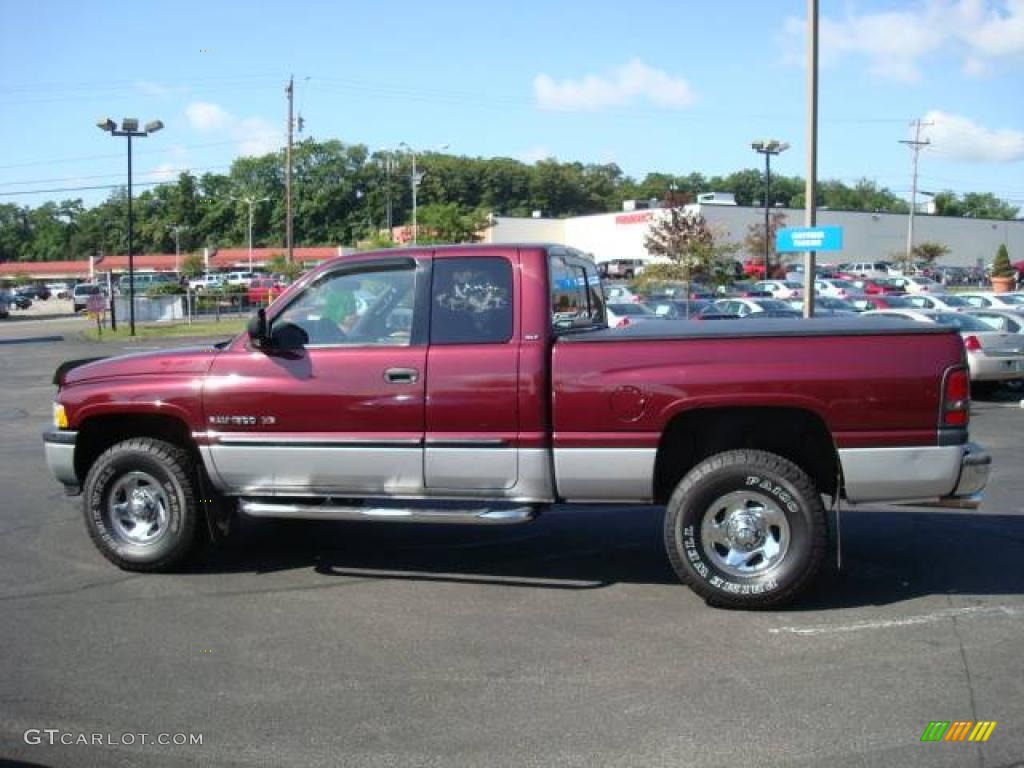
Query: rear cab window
471, 301
577, 300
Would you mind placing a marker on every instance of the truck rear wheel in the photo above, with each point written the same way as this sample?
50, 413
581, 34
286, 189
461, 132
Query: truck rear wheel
140, 505
746, 529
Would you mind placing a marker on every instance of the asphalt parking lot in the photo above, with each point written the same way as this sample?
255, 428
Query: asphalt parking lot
565, 642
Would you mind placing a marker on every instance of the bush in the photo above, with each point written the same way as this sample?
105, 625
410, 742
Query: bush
165, 289
1001, 266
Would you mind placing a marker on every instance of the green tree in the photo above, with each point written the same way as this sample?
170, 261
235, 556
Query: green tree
686, 241
279, 265
449, 223
929, 252
192, 265
974, 205
1001, 266
754, 241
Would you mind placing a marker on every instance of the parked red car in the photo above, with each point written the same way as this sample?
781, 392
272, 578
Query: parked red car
263, 290
754, 268
877, 287
889, 301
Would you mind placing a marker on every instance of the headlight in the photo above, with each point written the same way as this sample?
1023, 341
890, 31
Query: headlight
60, 416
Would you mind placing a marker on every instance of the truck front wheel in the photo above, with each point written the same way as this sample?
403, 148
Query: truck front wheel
746, 529
140, 505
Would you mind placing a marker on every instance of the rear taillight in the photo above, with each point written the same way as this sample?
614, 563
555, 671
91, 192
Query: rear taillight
956, 398
622, 323
971, 343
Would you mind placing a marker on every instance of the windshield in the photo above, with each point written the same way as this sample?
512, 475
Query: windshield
1016, 299
961, 322
772, 304
633, 310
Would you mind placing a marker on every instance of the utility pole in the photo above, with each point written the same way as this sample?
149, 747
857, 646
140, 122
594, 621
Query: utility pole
915, 147
811, 184
389, 167
290, 90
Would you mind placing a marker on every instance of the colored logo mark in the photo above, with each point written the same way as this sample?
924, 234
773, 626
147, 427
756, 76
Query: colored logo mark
958, 730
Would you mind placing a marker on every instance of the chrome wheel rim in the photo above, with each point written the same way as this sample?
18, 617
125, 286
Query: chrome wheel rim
745, 534
138, 509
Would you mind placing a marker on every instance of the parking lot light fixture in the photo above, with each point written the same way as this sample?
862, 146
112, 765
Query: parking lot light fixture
768, 147
129, 130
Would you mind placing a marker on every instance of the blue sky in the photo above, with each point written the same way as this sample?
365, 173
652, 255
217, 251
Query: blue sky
674, 87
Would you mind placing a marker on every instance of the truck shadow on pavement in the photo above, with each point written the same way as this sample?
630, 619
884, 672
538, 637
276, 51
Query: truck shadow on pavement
887, 557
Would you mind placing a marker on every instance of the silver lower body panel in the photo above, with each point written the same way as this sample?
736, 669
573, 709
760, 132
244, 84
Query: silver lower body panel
946, 476
605, 474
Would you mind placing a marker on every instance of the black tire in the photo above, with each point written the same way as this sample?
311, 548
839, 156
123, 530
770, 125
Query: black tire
166, 476
761, 481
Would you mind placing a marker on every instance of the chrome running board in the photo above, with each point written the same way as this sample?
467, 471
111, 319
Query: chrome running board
329, 511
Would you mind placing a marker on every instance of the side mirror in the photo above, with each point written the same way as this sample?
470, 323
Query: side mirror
288, 336
257, 329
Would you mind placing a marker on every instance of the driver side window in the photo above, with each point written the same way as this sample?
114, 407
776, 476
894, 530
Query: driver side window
373, 307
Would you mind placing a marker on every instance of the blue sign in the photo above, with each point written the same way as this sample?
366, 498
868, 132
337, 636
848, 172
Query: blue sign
800, 239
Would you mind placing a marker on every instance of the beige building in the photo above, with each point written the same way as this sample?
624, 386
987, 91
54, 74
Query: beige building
866, 236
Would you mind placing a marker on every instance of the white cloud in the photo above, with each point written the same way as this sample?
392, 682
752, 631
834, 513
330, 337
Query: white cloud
635, 80
956, 137
170, 169
996, 31
534, 155
895, 44
207, 117
974, 67
255, 135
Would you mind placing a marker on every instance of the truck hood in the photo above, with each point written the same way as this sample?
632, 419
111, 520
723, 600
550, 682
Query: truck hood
188, 361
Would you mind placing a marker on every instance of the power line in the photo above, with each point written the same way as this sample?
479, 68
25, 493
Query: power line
164, 151
107, 176
80, 189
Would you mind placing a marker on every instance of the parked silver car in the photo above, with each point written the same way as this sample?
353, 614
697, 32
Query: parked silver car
993, 356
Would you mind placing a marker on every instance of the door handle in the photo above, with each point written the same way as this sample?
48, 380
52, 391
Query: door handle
401, 375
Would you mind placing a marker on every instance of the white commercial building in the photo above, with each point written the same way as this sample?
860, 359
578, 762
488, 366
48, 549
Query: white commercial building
866, 236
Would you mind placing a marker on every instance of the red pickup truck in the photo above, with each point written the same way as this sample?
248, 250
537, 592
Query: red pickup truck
480, 384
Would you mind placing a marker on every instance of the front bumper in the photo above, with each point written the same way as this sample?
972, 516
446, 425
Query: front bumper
59, 445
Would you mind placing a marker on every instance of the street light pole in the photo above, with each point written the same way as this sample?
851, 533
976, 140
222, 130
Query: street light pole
416, 178
177, 229
130, 129
768, 147
250, 201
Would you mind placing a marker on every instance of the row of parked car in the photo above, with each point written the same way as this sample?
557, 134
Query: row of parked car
991, 324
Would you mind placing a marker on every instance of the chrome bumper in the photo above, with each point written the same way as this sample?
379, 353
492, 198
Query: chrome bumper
60, 456
975, 465
974, 470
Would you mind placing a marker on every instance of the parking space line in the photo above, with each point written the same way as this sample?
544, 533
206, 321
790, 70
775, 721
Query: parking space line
906, 621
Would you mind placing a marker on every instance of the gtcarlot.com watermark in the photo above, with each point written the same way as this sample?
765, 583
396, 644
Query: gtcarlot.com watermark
55, 736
